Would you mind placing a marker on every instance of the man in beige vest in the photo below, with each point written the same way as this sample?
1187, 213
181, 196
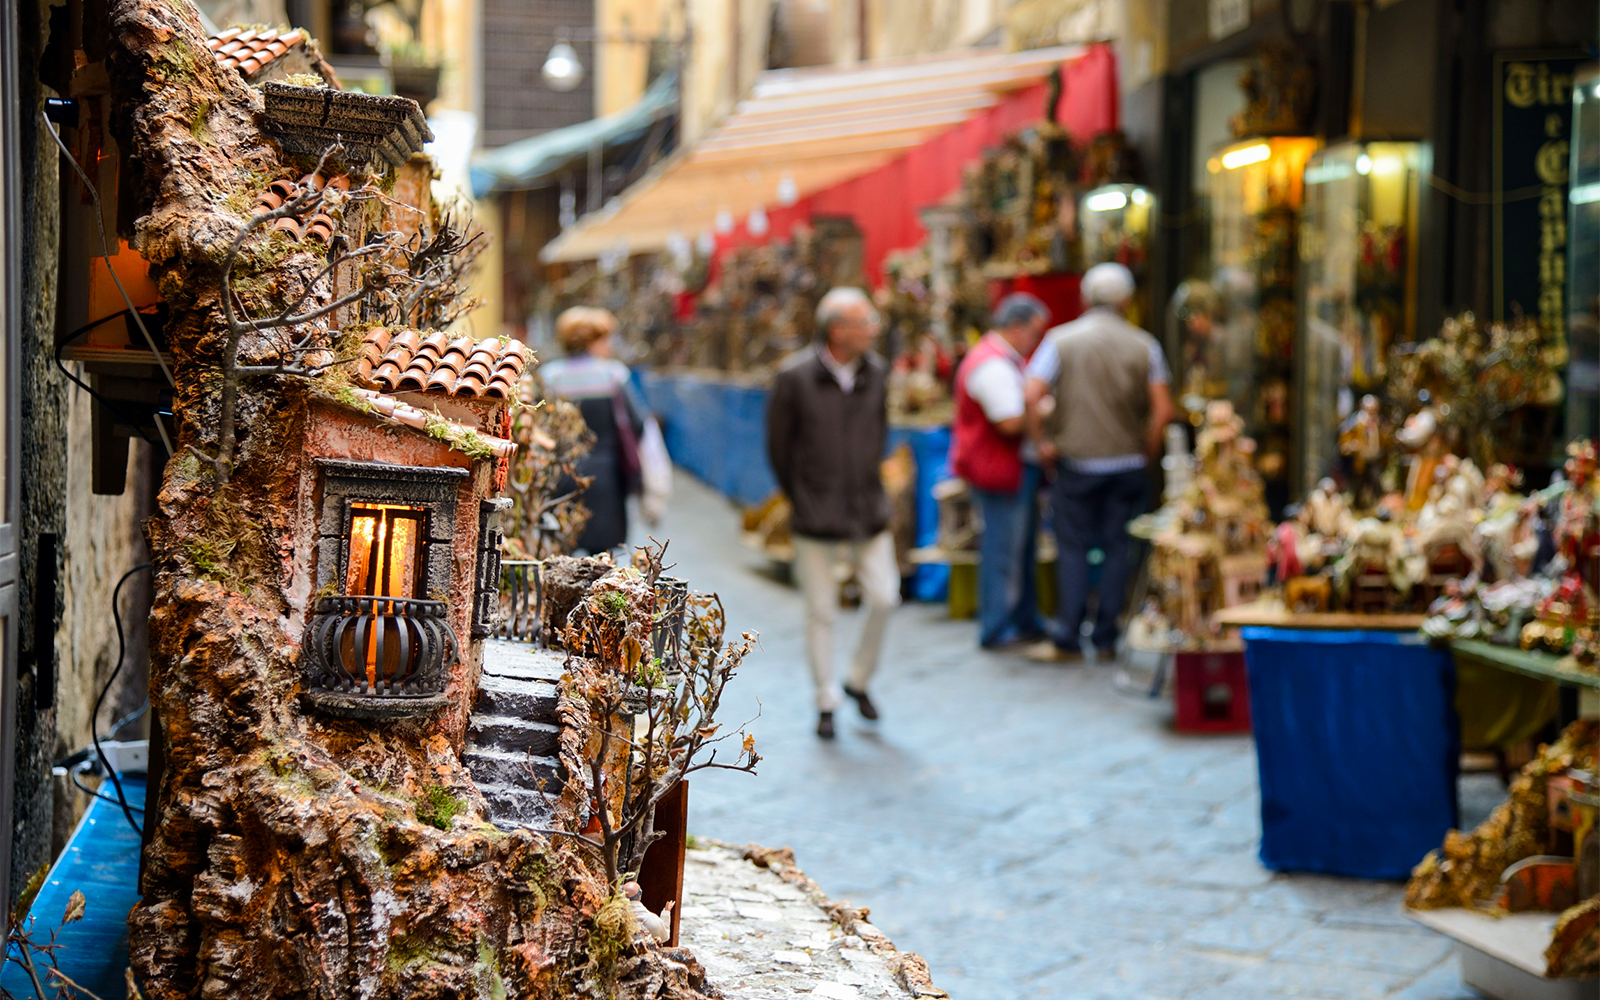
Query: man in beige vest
1099, 400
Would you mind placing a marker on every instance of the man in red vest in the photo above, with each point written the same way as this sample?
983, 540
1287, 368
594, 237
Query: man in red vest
986, 450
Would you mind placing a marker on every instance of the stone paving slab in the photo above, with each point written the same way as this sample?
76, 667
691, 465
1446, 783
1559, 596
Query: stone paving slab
762, 935
1027, 829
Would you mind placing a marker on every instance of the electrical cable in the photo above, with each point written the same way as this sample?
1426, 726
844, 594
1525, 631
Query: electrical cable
94, 720
105, 246
105, 253
75, 772
132, 716
80, 383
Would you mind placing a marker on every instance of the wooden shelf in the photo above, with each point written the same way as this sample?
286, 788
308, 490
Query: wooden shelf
1249, 614
1546, 666
1516, 938
114, 355
932, 555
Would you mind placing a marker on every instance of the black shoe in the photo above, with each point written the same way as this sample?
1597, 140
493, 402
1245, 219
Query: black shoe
869, 711
825, 725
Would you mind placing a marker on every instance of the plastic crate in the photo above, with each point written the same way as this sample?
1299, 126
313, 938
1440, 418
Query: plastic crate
1211, 692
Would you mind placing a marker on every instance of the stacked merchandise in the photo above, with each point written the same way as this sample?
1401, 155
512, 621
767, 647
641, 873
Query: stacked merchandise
1428, 516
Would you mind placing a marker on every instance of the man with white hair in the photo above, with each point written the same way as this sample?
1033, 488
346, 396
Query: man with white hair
1099, 398
827, 423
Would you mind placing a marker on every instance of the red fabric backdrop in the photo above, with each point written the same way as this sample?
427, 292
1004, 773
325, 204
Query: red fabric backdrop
884, 203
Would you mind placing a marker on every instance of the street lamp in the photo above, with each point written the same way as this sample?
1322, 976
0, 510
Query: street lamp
562, 71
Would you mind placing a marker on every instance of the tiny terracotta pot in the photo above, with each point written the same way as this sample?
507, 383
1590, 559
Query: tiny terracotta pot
340, 183
289, 225
268, 200
284, 188
314, 181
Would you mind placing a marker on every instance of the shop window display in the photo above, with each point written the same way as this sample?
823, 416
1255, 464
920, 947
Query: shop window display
1358, 278
1257, 191
1114, 222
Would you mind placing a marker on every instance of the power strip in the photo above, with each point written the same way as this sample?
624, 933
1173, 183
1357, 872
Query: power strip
127, 757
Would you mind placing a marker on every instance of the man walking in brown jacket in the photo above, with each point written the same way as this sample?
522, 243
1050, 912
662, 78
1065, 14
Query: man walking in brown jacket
827, 424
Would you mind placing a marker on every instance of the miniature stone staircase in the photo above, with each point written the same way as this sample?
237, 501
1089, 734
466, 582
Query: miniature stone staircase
513, 733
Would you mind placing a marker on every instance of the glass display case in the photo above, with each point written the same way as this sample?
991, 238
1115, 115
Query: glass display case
1583, 260
1114, 223
1247, 356
1358, 287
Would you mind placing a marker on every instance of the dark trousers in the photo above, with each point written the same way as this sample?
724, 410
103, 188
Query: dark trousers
1008, 592
1092, 509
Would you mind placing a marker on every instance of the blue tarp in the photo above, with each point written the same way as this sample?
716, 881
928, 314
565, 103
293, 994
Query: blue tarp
101, 860
1358, 748
716, 429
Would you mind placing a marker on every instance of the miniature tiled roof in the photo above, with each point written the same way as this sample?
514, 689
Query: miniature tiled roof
409, 361
249, 50
309, 119
390, 408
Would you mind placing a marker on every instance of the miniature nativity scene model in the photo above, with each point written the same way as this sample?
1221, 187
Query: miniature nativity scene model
381, 772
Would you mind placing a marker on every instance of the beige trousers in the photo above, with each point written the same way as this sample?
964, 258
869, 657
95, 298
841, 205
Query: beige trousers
821, 565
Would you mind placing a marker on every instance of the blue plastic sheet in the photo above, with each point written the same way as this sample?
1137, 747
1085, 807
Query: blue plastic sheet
716, 430
1358, 748
930, 448
101, 860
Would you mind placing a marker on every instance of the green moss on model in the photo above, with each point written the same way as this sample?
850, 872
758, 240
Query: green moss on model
438, 807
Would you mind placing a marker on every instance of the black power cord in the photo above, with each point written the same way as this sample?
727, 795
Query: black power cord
94, 720
122, 418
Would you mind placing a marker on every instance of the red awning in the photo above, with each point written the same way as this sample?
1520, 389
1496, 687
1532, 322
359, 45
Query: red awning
877, 143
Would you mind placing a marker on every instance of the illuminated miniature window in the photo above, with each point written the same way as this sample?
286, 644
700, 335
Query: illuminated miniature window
386, 555
379, 642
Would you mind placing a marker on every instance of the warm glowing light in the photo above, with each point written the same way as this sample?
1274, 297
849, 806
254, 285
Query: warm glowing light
1214, 165
1386, 165
385, 545
1106, 201
1140, 196
1236, 158
1363, 164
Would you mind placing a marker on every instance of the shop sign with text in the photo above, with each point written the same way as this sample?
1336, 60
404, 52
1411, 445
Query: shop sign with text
1532, 138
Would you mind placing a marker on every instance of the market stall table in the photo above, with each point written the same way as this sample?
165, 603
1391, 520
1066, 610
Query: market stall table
1356, 740
1532, 663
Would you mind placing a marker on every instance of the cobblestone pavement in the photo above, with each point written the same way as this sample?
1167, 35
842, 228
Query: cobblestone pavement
762, 938
1028, 830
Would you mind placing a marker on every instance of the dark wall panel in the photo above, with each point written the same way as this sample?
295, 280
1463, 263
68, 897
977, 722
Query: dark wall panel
517, 35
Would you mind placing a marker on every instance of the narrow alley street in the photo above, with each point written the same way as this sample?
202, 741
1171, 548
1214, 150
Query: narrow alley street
1027, 829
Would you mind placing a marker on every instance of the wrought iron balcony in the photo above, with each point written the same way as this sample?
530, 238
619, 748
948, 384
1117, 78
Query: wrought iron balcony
378, 657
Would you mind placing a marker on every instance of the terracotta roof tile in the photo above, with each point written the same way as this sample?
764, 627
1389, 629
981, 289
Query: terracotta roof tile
393, 409
409, 362
250, 50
